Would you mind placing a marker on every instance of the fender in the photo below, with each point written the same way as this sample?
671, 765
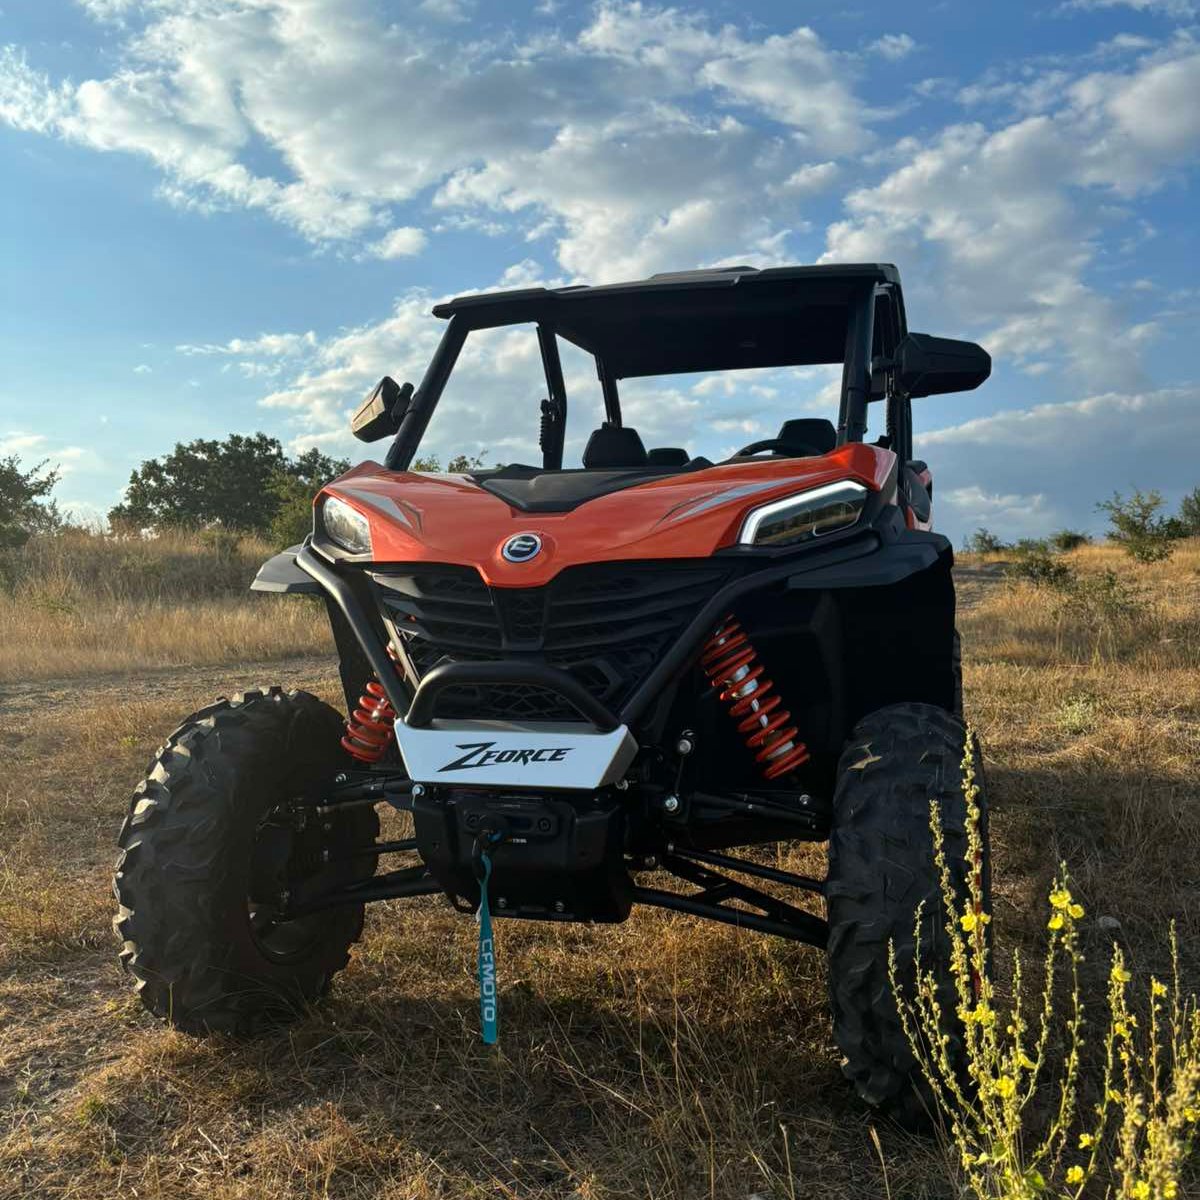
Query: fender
280, 574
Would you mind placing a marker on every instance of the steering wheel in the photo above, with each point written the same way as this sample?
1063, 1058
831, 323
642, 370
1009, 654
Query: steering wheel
775, 445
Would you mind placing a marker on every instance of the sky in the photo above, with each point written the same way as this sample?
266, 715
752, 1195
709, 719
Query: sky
224, 216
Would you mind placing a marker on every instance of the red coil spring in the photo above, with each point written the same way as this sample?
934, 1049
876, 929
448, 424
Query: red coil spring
370, 731
731, 663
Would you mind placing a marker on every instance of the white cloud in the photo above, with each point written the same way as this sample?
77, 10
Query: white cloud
652, 137
143, 369
1006, 219
1066, 456
400, 243
893, 46
1171, 8
271, 345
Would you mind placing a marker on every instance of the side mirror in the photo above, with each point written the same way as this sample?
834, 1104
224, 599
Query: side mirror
931, 366
382, 411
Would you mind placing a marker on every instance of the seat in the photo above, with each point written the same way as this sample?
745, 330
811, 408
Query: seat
610, 447
667, 456
805, 437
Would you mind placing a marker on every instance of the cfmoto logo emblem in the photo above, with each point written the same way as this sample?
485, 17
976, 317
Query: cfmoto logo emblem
522, 547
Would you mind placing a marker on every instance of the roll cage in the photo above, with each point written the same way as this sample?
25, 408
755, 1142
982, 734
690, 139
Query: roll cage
726, 319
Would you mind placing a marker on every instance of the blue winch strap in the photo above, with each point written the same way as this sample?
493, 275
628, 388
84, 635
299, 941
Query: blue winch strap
489, 1016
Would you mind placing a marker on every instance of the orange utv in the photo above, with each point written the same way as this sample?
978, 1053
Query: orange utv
601, 686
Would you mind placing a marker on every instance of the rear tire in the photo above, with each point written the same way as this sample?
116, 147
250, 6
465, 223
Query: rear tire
206, 849
881, 868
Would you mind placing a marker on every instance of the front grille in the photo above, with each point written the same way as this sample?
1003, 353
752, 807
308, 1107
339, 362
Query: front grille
608, 624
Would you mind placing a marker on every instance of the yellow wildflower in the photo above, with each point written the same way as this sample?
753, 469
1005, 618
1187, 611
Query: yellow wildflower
1086, 1141
1157, 989
1120, 974
1141, 1190
1170, 1190
968, 921
1114, 1095
1005, 1086
1191, 1114
1055, 922
1075, 1175
1060, 898
1121, 1029
1023, 1060
1075, 911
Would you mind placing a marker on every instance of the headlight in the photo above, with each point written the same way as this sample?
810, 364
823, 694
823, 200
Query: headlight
345, 526
805, 516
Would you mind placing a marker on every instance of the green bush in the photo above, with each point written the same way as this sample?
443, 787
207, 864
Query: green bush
983, 541
1042, 569
1136, 524
1064, 540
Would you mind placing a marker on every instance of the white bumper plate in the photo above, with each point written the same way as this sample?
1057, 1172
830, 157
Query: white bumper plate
508, 754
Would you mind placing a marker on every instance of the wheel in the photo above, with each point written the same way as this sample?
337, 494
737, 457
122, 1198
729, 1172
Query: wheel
881, 868
212, 839
956, 666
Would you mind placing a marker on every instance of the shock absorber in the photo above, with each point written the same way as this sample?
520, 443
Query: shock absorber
369, 731
731, 664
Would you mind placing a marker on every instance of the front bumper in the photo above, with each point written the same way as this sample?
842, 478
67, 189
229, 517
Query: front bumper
537, 755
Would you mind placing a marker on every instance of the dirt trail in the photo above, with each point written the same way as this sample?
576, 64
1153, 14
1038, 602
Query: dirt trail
19, 700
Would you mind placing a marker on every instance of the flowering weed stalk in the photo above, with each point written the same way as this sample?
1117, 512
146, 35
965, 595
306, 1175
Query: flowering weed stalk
991, 1067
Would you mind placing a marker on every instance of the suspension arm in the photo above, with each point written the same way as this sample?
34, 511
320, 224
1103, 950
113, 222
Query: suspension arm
774, 916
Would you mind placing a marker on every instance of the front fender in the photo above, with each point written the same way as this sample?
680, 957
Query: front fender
280, 574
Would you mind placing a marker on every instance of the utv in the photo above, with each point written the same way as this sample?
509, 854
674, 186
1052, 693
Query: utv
589, 684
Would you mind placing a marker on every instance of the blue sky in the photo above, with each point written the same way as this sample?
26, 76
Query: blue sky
229, 215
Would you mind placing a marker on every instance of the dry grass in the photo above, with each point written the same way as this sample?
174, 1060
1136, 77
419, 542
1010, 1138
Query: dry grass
79, 603
662, 1058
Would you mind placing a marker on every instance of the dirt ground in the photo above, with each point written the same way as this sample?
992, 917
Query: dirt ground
663, 1058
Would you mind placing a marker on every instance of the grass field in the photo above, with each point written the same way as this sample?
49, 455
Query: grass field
662, 1058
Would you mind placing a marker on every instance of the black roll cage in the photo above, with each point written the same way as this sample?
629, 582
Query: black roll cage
870, 300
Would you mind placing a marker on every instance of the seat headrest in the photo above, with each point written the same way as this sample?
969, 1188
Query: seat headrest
612, 447
667, 456
808, 434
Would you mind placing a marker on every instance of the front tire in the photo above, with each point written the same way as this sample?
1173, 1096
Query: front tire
881, 869
208, 846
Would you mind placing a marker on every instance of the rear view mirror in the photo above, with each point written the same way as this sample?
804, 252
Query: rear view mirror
931, 366
382, 411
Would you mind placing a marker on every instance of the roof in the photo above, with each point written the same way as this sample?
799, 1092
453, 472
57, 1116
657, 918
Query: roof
688, 321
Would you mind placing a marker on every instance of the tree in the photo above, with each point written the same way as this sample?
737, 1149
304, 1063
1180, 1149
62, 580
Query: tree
460, 464
205, 483
294, 485
243, 484
1189, 513
1068, 539
25, 506
1136, 525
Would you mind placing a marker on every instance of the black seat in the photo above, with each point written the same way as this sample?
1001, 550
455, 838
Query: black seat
610, 447
667, 456
807, 436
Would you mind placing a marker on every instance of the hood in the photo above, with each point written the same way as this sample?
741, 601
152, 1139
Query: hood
442, 518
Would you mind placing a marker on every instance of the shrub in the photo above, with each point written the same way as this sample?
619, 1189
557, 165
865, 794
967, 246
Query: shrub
1064, 540
1018, 1124
1136, 525
1042, 569
1189, 513
982, 541
1105, 599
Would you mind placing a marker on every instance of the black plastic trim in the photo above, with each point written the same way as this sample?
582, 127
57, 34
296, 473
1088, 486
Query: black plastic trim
553, 679
281, 575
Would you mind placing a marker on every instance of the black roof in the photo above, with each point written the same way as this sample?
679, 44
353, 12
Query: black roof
714, 320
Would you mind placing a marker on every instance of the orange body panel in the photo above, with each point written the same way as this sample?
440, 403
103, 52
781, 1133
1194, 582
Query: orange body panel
448, 519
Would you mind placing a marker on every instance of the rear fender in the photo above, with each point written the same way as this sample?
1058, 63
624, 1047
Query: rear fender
280, 574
